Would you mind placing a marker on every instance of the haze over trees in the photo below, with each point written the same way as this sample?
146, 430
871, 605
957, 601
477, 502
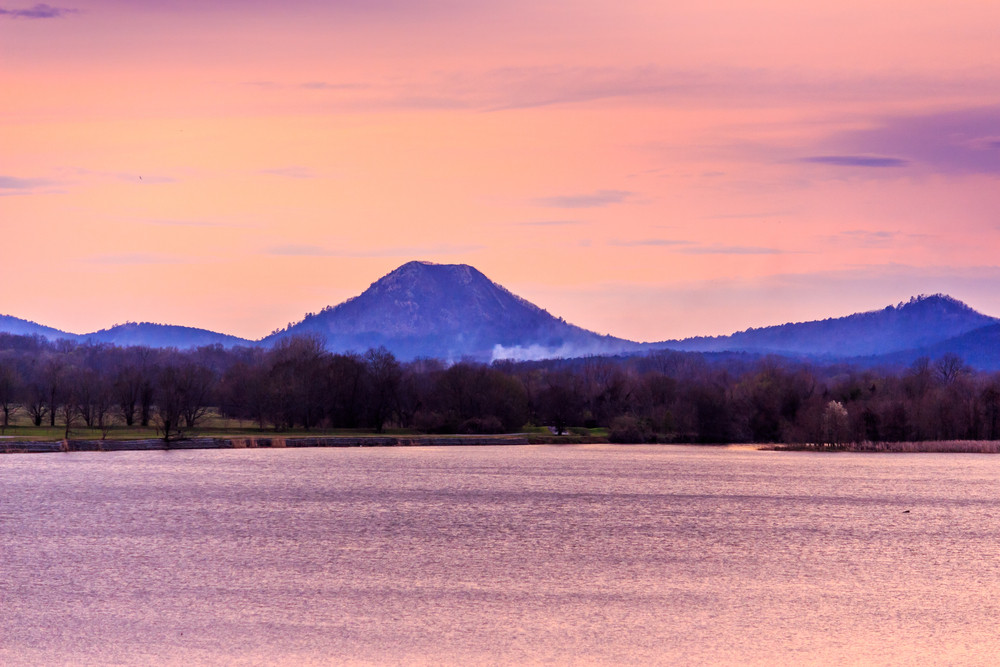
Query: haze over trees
658, 396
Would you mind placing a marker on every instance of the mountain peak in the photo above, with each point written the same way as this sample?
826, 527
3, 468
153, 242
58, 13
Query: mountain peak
936, 301
451, 311
923, 320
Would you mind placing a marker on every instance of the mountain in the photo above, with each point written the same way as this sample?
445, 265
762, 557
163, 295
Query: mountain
161, 335
131, 333
980, 348
19, 327
449, 311
922, 322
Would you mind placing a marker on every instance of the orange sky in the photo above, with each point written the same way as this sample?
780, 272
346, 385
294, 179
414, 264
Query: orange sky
650, 170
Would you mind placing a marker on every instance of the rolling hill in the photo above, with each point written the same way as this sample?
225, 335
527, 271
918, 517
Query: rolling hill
161, 335
921, 322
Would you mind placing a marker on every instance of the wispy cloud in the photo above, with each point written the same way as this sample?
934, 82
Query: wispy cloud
299, 250
855, 161
40, 11
306, 250
596, 199
548, 223
731, 250
192, 223
137, 258
267, 85
650, 242
145, 179
686, 247
290, 172
306, 85
747, 216
22, 184
868, 239
323, 85
507, 88
863, 238
959, 141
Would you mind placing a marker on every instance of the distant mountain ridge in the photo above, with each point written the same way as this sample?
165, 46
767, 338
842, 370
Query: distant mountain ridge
130, 333
18, 327
453, 311
921, 322
162, 335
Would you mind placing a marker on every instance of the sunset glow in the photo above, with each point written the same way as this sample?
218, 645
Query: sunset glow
649, 170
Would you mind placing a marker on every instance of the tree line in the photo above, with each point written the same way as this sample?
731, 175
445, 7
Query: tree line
662, 396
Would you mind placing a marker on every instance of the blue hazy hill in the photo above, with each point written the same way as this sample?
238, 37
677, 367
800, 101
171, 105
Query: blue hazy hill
922, 322
449, 311
980, 348
452, 311
130, 333
19, 327
161, 335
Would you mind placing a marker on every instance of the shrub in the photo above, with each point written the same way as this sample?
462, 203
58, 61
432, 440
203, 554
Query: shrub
628, 430
481, 425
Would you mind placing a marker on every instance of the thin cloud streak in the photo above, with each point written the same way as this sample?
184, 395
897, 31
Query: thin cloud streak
855, 161
548, 223
961, 141
195, 223
732, 250
598, 199
519, 88
650, 242
16, 183
137, 258
694, 248
305, 250
40, 11
290, 172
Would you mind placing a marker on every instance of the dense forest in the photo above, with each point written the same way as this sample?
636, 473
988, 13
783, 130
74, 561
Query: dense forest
661, 396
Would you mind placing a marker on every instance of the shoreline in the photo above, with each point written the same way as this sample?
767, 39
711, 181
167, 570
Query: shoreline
272, 442
919, 447
282, 442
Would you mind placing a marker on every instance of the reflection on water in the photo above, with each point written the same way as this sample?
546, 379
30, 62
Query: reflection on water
508, 555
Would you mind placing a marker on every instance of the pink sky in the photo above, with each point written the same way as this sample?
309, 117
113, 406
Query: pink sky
649, 170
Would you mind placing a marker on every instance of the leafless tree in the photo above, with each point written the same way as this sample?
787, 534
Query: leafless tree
10, 389
950, 368
385, 374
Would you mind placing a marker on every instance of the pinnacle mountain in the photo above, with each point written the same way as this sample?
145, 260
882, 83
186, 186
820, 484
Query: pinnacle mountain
449, 311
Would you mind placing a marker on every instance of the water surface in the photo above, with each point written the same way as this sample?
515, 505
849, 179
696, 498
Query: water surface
587, 555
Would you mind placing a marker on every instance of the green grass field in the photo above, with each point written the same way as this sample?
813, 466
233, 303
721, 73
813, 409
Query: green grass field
215, 426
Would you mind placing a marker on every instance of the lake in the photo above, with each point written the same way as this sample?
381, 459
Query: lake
530, 555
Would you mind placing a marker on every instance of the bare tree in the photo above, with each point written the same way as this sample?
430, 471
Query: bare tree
128, 391
170, 399
385, 374
196, 384
950, 368
105, 414
55, 370
84, 384
10, 388
35, 404
70, 413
